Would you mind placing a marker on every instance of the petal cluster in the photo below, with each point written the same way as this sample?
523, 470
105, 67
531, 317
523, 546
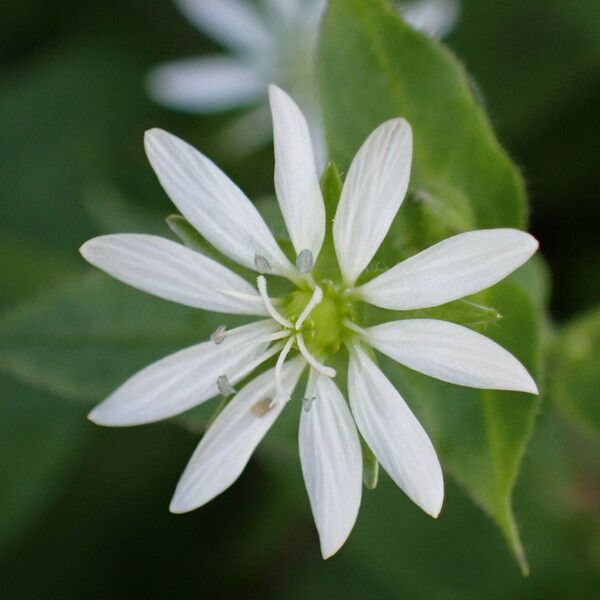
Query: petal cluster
271, 40
331, 420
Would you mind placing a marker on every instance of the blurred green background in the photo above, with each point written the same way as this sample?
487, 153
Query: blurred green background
83, 510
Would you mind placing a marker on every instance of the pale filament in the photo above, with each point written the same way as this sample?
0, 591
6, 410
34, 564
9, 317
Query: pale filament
311, 360
247, 369
350, 325
316, 298
261, 283
271, 337
279, 391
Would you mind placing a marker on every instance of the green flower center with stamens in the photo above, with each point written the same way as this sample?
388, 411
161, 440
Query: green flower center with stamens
323, 330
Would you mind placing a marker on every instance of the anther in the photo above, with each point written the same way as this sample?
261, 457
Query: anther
261, 283
316, 298
307, 403
261, 264
219, 334
305, 261
262, 407
225, 388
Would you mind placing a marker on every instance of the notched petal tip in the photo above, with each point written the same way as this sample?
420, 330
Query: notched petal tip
176, 508
84, 250
535, 244
525, 382
153, 132
530, 386
155, 135
434, 501
96, 417
100, 416
436, 507
274, 89
329, 549
527, 241
326, 553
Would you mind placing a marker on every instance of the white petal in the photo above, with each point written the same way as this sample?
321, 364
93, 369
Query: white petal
228, 444
212, 203
298, 12
182, 380
451, 353
296, 181
393, 433
331, 463
208, 84
173, 272
373, 191
237, 24
435, 18
454, 268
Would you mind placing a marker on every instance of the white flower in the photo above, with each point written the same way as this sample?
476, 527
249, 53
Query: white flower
435, 18
272, 40
311, 325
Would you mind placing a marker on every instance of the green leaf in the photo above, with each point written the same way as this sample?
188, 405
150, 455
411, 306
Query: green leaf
61, 126
575, 380
113, 212
481, 435
27, 268
558, 46
373, 67
40, 440
87, 337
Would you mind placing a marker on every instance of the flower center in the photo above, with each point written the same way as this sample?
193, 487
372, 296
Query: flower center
323, 329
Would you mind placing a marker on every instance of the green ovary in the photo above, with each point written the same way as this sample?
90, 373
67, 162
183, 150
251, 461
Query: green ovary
323, 330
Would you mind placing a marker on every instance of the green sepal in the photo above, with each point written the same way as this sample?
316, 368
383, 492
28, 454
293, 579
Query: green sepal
331, 188
468, 313
193, 240
370, 466
185, 231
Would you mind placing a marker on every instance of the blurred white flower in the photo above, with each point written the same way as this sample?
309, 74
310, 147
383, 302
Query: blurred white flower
309, 325
268, 41
435, 18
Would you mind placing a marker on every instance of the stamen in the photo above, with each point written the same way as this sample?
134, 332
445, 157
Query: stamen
279, 391
257, 361
261, 264
307, 403
310, 393
219, 335
225, 388
264, 339
353, 327
316, 298
305, 261
278, 335
261, 283
262, 407
311, 360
